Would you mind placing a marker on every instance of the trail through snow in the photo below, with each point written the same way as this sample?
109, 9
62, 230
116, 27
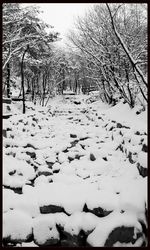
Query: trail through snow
77, 168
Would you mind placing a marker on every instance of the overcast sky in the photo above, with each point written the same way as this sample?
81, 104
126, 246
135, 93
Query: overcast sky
61, 15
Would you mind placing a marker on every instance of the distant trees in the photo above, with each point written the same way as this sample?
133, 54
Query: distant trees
112, 39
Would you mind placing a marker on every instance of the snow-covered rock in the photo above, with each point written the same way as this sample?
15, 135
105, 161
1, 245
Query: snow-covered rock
45, 231
17, 226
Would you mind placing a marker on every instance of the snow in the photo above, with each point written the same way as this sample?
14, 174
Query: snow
9, 198
123, 114
17, 225
25, 203
63, 173
44, 229
106, 225
41, 179
27, 244
22, 172
138, 243
134, 197
142, 159
104, 199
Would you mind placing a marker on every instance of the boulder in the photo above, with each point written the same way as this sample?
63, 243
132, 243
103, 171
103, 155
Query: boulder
17, 190
98, 211
142, 171
44, 231
69, 240
122, 235
31, 154
145, 148
92, 157
30, 146
17, 227
46, 173
47, 209
73, 135
77, 102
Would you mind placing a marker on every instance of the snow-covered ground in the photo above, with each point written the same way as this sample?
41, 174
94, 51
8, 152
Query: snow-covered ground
75, 174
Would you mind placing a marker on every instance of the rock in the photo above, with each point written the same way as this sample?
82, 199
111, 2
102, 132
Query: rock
142, 171
145, 148
51, 209
111, 128
45, 231
77, 156
74, 240
50, 164
70, 158
92, 157
17, 226
123, 235
119, 125
100, 118
137, 133
12, 172
126, 127
100, 212
77, 102
29, 146
31, 154
121, 133
83, 146
73, 143
56, 171
73, 136
130, 158
84, 138
46, 173
35, 119
21, 120
120, 147
9, 129
17, 190
50, 242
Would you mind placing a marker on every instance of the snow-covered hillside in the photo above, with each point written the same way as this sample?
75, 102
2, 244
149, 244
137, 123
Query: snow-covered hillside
75, 174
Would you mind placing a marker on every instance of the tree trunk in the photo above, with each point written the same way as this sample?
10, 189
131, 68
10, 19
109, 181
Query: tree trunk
63, 83
8, 80
43, 85
28, 84
76, 85
22, 80
32, 89
132, 61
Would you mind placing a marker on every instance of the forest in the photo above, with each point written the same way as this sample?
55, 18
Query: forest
109, 54
74, 145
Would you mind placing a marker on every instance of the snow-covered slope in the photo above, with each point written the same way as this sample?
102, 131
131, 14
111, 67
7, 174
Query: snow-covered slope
77, 173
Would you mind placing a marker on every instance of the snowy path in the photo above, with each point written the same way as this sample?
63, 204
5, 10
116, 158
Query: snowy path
74, 173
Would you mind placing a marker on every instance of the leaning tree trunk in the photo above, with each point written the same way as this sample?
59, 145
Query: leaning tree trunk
132, 61
8, 80
22, 80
